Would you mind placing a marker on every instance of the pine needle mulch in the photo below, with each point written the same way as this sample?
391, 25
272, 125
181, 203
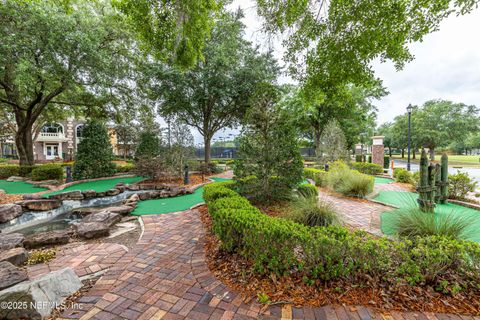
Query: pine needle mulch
237, 273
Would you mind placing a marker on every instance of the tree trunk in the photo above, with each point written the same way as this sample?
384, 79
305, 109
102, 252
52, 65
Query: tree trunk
403, 153
413, 153
390, 151
207, 142
24, 142
432, 153
317, 134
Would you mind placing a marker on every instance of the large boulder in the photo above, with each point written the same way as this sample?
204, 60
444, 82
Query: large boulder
112, 192
68, 195
89, 194
11, 240
86, 211
40, 204
90, 230
106, 217
123, 210
145, 196
9, 212
39, 296
16, 256
10, 275
47, 239
132, 187
16, 179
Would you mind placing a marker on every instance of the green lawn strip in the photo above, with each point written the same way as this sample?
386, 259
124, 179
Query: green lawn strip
381, 180
19, 187
98, 186
453, 160
169, 205
409, 200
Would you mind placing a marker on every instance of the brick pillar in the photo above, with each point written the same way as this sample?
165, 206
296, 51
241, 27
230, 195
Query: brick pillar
378, 150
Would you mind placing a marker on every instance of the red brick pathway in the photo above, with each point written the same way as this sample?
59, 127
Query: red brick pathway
84, 259
165, 277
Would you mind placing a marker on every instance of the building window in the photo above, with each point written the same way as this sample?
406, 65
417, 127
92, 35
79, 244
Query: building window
52, 128
79, 131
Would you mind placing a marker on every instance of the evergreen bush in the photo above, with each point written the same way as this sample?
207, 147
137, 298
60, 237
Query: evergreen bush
367, 168
7, 171
94, 154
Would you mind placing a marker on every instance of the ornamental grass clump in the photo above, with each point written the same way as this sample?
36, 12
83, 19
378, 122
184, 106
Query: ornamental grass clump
312, 212
349, 182
413, 222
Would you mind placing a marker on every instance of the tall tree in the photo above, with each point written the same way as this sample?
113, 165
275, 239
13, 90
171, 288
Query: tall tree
52, 57
215, 93
335, 41
172, 31
439, 123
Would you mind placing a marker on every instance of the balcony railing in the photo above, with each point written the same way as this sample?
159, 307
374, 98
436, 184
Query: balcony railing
51, 136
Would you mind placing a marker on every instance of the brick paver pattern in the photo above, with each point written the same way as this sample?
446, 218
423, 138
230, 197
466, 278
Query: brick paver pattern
165, 277
84, 259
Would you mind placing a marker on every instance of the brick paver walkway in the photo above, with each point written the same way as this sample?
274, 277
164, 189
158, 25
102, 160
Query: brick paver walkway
360, 214
84, 259
165, 277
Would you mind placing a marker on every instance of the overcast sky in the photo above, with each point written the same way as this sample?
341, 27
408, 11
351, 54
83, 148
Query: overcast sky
446, 65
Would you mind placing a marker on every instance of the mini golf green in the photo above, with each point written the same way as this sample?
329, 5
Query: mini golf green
381, 180
405, 200
169, 205
98, 186
19, 187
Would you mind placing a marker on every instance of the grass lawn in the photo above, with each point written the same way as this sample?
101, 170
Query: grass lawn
19, 187
453, 160
98, 186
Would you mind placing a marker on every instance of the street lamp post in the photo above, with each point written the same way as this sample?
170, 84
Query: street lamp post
409, 110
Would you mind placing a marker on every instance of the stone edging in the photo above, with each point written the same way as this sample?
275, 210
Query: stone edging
465, 204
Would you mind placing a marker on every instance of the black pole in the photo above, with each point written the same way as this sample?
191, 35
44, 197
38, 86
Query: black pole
409, 140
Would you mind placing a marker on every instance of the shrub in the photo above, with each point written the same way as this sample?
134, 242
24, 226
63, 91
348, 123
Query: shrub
313, 213
152, 168
128, 167
24, 171
94, 155
282, 246
358, 158
349, 182
7, 171
386, 162
149, 145
317, 175
402, 175
47, 172
307, 191
415, 178
414, 222
367, 168
460, 184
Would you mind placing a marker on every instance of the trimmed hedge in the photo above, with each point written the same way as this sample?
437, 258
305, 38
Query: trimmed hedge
402, 175
47, 172
7, 171
317, 175
307, 190
121, 168
367, 168
282, 247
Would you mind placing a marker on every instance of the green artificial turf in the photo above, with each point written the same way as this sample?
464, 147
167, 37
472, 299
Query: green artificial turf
19, 187
406, 200
98, 186
381, 180
169, 205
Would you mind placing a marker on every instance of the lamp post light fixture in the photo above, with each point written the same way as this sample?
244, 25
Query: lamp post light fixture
409, 110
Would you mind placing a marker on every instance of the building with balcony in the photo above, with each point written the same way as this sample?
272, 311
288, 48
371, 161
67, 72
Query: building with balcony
58, 140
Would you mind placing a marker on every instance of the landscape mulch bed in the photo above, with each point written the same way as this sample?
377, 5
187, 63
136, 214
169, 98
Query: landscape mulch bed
10, 198
237, 273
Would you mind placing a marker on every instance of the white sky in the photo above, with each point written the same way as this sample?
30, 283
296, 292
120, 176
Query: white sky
446, 65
